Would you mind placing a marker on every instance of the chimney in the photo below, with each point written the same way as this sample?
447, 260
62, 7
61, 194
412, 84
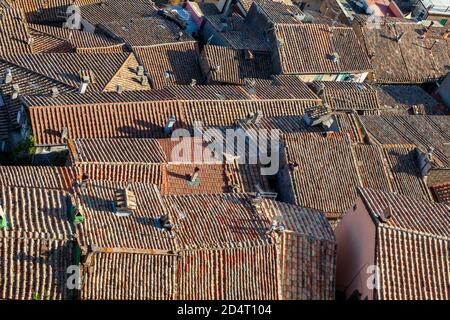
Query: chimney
193, 82
424, 160
125, 203
293, 166
386, 214
248, 55
30, 41
3, 220
64, 133
169, 125
180, 35
84, 84
257, 199
400, 37
194, 176
15, 91
165, 222
334, 57
119, 89
55, 92
215, 68
140, 71
8, 76
319, 88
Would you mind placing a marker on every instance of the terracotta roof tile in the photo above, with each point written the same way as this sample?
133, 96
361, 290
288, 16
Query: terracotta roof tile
348, 96
227, 65
238, 34
146, 31
105, 230
278, 12
29, 82
66, 68
34, 268
409, 213
53, 39
37, 212
147, 277
330, 169
423, 260
58, 178
177, 63
14, 34
147, 118
420, 130
406, 96
241, 248
115, 160
101, 12
409, 59
415, 239
307, 48
442, 192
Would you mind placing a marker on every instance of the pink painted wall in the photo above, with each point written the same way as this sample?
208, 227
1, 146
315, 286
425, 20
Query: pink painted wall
355, 236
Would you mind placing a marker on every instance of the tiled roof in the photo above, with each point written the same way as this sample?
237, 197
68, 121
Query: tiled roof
67, 68
58, 178
52, 39
33, 268
37, 213
14, 34
147, 277
330, 169
147, 118
423, 260
40, 11
118, 151
242, 248
238, 34
35, 248
405, 97
420, 130
438, 176
307, 48
403, 166
147, 31
227, 65
326, 178
412, 59
29, 83
416, 239
408, 213
177, 63
105, 230
150, 161
348, 96
102, 12
442, 192
278, 12
4, 124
